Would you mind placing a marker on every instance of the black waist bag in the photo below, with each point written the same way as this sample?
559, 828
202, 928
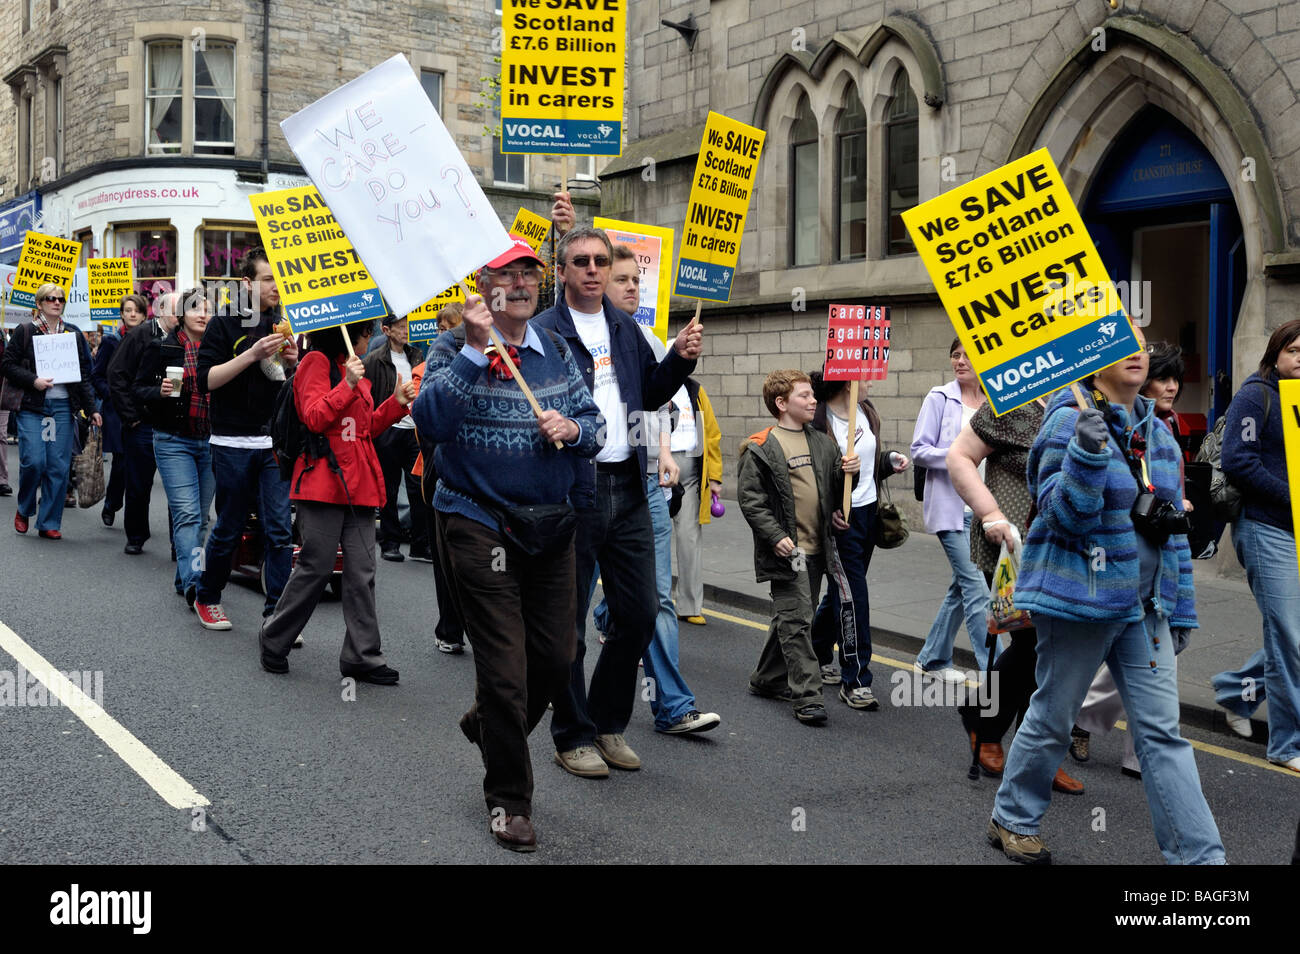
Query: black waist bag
537, 529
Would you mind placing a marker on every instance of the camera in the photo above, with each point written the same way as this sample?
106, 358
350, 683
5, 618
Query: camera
1157, 519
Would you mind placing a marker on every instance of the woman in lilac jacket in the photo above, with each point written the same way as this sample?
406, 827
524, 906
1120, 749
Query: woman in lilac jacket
945, 411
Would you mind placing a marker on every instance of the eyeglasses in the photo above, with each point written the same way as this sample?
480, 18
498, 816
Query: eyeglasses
59, 300
602, 261
508, 276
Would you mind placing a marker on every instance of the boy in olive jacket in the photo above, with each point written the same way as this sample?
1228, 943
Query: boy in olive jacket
790, 479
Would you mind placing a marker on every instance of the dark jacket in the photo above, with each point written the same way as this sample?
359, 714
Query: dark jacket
382, 373
767, 499
645, 384
166, 413
242, 406
1258, 467
122, 371
882, 467
18, 365
112, 431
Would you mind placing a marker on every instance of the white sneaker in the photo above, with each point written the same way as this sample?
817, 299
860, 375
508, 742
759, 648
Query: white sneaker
693, 721
1290, 764
948, 674
830, 675
860, 698
1238, 724
297, 643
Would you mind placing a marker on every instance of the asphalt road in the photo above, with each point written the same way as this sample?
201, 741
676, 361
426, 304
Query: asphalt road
294, 773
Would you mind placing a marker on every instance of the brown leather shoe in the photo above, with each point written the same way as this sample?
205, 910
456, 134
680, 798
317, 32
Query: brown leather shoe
991, 757
514, 832
1063, 783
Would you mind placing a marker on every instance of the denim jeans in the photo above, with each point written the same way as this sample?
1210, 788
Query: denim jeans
967, 598
616, 534
185, 465
670, 697
45, 443
855, 546
1242, 690
248, 478
1269, 556
1069, 654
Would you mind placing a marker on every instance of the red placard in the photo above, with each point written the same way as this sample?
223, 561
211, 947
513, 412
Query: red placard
857, 343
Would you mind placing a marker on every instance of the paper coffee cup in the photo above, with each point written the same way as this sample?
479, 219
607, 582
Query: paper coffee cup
177, 376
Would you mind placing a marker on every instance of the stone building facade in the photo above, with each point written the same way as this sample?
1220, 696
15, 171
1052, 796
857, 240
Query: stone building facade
1175, 124
141, 130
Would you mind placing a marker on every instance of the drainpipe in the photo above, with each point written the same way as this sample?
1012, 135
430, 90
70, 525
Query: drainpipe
266, 91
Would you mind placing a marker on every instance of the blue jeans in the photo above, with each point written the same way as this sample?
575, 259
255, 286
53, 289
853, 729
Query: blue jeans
185, 465
1269, 556
247, 478
967, 596
1069, 654
855, 546
670, 697
45, 444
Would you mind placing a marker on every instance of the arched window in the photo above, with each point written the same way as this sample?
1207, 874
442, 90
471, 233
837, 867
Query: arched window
805, 222
851, 179
900, 163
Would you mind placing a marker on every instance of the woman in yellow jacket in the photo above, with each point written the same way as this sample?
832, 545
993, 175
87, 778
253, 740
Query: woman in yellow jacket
697, 448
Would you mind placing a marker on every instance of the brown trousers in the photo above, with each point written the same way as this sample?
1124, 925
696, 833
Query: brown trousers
518, 615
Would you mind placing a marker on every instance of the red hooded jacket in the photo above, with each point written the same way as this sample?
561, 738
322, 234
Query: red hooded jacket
332, 411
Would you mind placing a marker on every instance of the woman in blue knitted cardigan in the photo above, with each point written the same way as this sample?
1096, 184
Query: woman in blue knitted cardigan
1100, 591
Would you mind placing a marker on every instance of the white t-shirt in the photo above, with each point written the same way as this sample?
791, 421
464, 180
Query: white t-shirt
404, 372
865, 447
966, 414
605, 392
685, 435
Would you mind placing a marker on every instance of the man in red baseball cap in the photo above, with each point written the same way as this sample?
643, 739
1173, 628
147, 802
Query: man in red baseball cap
493, 455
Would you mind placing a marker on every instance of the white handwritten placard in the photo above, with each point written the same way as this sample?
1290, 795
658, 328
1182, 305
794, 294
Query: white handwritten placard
396, 183
56, 357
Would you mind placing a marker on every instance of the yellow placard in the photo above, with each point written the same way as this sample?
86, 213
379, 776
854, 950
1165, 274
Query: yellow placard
109, 281
1290, 394
46, 259
1021, 281
531, 227
725, 174
653, 248
321, 279
562, 76
422, 324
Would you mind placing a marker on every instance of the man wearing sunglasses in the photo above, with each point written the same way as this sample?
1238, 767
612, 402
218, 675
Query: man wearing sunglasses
609, 495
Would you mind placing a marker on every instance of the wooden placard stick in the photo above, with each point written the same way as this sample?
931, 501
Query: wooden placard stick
699, 302
514, 370
347, 341
1078, 396
853, 427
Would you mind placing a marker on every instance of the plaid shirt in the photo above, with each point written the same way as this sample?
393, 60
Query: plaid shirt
199, 400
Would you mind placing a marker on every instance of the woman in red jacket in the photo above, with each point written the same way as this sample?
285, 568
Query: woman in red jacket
336, 493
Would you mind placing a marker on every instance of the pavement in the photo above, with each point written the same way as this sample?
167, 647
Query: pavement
907, 585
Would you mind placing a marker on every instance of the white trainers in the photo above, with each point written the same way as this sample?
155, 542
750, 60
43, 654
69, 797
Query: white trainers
860, 698
1292, 765
297, 643
947, 674
694, 721
830, 675
1238, 724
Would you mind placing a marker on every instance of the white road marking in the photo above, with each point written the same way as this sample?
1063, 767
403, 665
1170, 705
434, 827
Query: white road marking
160, 776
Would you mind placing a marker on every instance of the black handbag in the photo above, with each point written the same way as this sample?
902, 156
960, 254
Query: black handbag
537, 529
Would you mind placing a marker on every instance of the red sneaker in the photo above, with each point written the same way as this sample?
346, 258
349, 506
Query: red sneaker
20, 523
212, 616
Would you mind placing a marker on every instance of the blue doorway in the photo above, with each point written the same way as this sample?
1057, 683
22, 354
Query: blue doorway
1164, 221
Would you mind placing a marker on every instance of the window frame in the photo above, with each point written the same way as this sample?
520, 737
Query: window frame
508, 183
442, 87
164, 149
795, 144
212, 147
889, 128
861, 132
144, 284
201, 272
